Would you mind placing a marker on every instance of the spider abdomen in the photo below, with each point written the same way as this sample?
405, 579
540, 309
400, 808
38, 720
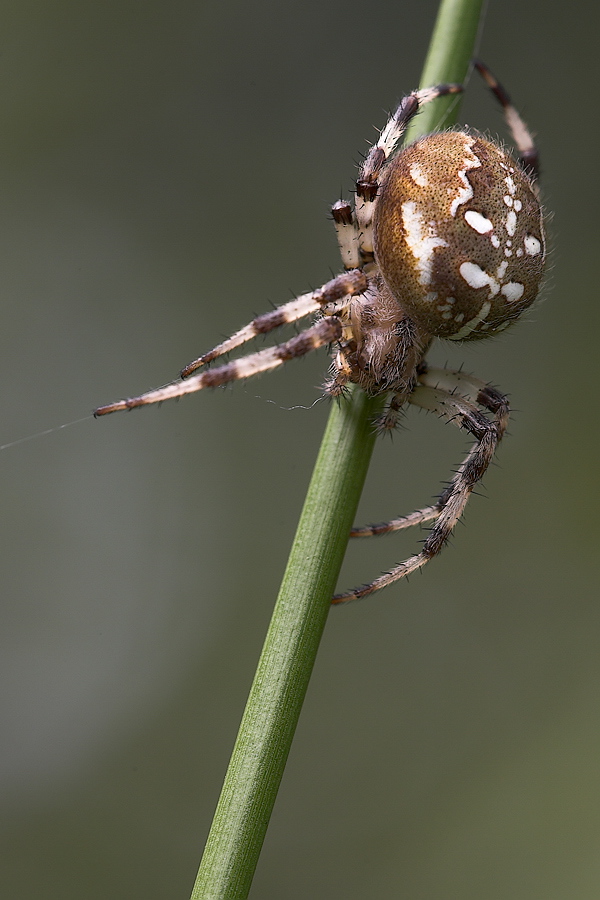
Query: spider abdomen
459, 236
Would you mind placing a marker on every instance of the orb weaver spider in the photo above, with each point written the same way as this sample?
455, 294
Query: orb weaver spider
445, 239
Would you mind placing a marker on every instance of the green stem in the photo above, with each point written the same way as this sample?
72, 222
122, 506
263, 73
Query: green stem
291, 645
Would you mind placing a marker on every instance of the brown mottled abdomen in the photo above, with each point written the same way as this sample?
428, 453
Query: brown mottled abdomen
459, 236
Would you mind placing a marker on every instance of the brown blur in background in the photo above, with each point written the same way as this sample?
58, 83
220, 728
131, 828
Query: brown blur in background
166, 172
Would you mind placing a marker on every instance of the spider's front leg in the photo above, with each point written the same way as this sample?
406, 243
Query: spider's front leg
354, 228
454, 397
339, 288
373, 167
325, 331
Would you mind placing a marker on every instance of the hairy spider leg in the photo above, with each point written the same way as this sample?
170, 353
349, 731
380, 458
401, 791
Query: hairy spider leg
354, 228
454, 383
370, 171
347, 233
388, 422
520, 133
324, 332
418, 517
345, 285
488, 433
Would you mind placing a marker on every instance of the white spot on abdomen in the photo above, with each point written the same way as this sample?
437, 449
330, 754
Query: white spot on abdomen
513, 291
421, 238
475, 277
532, 245
418, 176
478, 222
465, 193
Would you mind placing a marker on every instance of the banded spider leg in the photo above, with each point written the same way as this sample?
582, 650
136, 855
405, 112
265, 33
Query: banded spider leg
324, 331
455, 397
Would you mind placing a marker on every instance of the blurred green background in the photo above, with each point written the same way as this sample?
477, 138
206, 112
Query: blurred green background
166, 171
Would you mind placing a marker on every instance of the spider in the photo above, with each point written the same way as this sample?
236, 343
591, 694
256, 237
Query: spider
445, 239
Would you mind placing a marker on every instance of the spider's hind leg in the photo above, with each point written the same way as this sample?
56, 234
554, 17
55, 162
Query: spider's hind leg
460, 407
520, 133
427, 514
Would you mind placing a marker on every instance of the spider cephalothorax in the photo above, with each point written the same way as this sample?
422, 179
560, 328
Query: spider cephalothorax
445, 239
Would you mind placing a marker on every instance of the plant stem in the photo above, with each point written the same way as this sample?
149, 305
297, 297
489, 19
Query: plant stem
289, 652
291, 645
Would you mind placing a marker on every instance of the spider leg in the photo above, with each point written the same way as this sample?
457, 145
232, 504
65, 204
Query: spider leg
464, 413
347, 233
390, 418
341, 287
521, 135
323, 332
370, 171
427, 514
467, 387
340, 375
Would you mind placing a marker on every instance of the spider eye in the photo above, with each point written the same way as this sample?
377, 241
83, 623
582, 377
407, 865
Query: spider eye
459, 235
